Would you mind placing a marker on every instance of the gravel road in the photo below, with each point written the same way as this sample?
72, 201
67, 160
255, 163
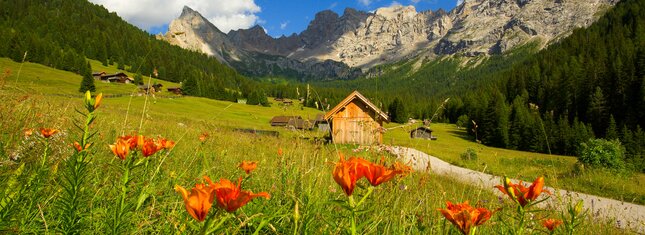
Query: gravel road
624, 215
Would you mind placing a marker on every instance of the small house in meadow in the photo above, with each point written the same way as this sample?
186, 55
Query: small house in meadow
356, 120
422, 132
299, 124
117, 77
283, 120
98, 75
175, 90
155, 87
321, 123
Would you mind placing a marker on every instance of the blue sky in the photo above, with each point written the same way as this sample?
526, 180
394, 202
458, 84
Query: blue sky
277, 17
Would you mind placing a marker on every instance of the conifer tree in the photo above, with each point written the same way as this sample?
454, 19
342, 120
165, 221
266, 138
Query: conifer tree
87, 84
612, 131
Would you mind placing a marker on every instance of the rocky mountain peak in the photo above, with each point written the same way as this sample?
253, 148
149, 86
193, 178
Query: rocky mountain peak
362, 39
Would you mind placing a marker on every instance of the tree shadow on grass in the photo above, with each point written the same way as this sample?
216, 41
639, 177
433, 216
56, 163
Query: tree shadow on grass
462, 134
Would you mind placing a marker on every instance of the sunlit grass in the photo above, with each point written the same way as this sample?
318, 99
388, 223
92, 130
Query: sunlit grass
301, 175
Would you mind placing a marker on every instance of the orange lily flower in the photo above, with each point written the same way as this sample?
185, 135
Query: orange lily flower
521, 194
27, 132
198, 202
280, 152
203, 136
464, 216
230, 197
163, 143
346, 173
121, 148
78, 148
378, 174
97, 100
248, 166
48, 132
149, 147
404, 170
551, 224
131, 140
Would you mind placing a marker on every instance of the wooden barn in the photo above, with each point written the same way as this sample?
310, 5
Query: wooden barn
283, 120
356, 120
423, 132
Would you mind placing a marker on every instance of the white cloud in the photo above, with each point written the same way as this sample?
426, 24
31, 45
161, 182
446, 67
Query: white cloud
283, 25
226, 15
333, 5
459, 2
415, 1
365, 2
395, 4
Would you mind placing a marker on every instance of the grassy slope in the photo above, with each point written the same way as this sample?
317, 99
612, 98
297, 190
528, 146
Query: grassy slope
452, 142
407, 206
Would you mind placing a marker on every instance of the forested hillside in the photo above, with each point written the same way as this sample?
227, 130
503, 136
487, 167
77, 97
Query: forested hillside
61, 33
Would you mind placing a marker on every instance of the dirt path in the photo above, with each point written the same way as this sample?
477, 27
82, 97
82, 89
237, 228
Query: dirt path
623, 214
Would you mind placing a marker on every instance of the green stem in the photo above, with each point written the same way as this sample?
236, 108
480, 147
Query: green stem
45, 153
352, 205
472, 231
521, 212
206, 226
124, 190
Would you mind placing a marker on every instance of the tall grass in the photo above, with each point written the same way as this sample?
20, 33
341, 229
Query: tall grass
298, 179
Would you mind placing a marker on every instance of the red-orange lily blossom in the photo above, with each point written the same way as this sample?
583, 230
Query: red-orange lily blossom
163, 143
48, 132
198, 202
346, 173
149, 147
464, 216
248, 166
377, 174
521, 194
78, 148
120, 148
551, 224
231, 197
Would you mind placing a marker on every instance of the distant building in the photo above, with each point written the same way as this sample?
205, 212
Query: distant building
155, 87
321, 123
117, 77
300, 124
356, 120
98, 75
423, 132
175, 90
283, 120
241, 101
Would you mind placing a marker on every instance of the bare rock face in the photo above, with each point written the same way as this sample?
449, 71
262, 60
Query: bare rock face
496, 26
361, 39
194, 32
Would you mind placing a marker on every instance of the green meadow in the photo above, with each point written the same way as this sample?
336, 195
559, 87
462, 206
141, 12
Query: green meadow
305, 199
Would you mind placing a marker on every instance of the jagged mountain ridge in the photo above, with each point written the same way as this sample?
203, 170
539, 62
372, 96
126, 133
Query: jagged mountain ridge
364, 39
194, 32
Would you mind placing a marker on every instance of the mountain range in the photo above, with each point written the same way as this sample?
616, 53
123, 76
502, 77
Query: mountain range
341, 46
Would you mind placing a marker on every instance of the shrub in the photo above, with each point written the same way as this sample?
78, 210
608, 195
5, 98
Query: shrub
463, 121
469, 155
602, 153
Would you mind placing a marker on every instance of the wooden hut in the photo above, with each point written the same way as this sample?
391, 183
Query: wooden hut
356, 120
423, 132
283, 120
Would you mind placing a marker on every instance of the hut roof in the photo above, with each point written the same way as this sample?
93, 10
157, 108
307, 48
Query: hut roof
284, 119
350, 98
425, 128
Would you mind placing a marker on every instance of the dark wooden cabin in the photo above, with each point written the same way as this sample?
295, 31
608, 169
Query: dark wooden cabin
423, 132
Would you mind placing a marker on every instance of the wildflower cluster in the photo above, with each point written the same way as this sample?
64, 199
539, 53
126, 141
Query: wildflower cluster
147, 146
347, 172
227, 195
